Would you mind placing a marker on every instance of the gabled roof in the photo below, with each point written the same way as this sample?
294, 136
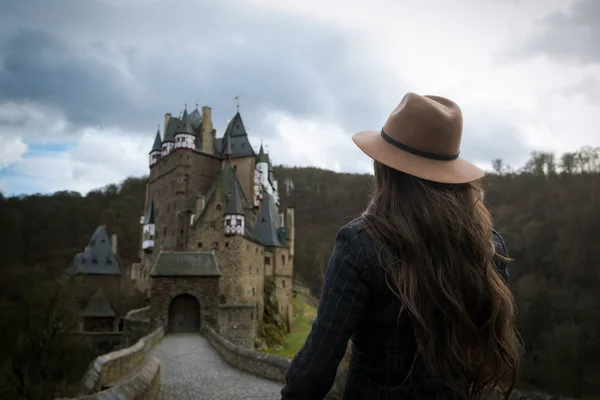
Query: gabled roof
234, 206
150, 214
267, 230
236, 136
157, 142
97, 258
173, 263
98, 306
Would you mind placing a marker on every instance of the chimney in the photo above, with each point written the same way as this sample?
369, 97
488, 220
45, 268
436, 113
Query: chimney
113, 243
200, 203
207, 130
167, 118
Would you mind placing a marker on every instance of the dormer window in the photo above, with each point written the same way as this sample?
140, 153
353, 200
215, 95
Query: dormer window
109, 262
94, 262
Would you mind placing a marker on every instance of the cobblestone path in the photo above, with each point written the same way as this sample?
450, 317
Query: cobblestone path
192, 370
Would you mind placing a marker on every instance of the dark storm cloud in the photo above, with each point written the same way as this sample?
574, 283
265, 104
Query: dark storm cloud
171, 52
39, 67
571, 36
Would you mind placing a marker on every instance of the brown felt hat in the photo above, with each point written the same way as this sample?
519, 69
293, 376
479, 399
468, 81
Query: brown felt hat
422, 138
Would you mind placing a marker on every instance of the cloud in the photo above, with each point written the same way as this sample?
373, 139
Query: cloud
98, 158
588, 88
568, 35
11, 150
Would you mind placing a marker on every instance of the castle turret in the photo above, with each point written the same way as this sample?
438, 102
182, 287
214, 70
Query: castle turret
262, 164
156, 149
185, 137
149, 229
234, 213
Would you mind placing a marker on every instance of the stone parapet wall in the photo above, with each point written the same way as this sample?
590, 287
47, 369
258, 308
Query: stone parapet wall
112, 367
237, 324
260, 364
139, 314
145, 384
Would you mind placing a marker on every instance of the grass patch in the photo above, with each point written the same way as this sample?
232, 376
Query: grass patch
303, 319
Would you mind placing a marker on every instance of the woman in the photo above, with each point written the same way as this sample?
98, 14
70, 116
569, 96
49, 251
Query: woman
418, 281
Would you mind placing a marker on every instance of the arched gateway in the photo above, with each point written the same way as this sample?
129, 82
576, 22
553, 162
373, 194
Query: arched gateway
184, 315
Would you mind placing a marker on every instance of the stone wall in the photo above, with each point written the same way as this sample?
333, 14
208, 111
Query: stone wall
260, 364
112, 367
135, 325
237, 323
165, 289
143, 385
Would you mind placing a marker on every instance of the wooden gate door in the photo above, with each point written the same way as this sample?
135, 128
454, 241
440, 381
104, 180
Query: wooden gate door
184, 315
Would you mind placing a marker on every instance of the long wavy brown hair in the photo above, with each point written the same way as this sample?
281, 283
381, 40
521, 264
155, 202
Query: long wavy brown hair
434, 241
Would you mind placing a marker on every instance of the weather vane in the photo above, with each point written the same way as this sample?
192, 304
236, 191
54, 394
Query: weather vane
237, 102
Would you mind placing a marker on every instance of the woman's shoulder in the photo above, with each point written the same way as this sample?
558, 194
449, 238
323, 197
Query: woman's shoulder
356, 231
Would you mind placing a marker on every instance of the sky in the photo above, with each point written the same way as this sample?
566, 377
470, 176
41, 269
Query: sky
84, 84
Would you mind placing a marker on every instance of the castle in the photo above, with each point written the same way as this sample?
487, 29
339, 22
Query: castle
213, 233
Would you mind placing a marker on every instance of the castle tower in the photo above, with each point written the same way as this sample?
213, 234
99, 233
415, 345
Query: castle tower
234, 214
207, 131
149, 229
156, 149
185, 137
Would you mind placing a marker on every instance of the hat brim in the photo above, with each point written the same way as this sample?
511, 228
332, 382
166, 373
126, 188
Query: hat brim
455, 171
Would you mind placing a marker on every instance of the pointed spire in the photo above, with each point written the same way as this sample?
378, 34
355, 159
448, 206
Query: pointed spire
157, 142
262, 156
234, 206
184, 118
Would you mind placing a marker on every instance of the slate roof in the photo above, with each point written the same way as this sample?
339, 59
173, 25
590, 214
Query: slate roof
97, 258
98, 306
173, 263
195, 118
262, 156
237, 137
150, 214
157, 142
172, 129
226, 180
234, 206
267, 230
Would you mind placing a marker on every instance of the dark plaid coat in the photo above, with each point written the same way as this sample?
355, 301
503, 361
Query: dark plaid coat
357, 303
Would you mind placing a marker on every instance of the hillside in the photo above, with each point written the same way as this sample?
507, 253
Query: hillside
550, 220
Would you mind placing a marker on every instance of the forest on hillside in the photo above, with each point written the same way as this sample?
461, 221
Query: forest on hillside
548, 212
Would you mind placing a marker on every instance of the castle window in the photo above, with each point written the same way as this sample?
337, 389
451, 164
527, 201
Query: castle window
229, 318
253, 292
267, 260
250, 269
215, 246
222, 299
283, 283
262, 219
199, 245
235, 168
247, 247
256, 250
252, 315
226, 244
282, 259
165, 231
181, 231
94, 262
218, 207
289, 257
212, 225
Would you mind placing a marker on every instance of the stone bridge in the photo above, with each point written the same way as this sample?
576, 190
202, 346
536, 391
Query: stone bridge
183, 366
